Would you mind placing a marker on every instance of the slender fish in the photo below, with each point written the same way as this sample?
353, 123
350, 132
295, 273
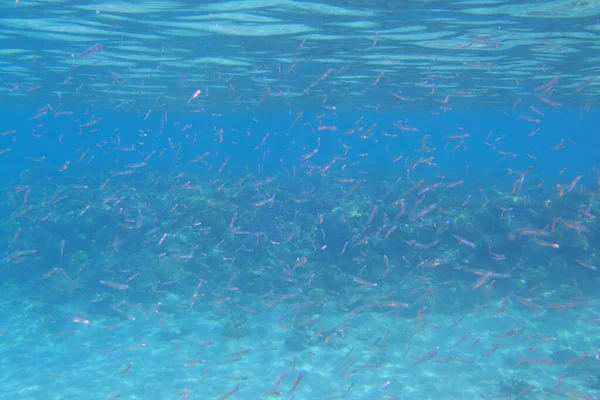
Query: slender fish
91, 51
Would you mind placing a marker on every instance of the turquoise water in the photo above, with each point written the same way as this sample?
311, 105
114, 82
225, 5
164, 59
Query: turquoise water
299, 200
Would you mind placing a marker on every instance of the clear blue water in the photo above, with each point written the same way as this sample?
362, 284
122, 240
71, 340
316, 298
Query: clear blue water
299, 200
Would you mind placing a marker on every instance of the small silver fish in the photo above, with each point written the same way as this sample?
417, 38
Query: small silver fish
91, 51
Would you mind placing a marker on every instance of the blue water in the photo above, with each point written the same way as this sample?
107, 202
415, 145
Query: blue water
299, 200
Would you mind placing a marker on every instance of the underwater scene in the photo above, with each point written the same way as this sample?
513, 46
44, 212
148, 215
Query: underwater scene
286, 199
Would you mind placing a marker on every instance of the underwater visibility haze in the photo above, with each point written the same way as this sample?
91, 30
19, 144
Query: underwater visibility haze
285, 199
